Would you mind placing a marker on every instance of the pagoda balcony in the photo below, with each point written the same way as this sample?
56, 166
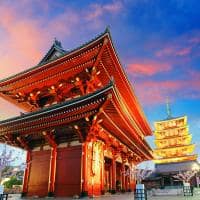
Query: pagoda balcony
174, 151
171, 123
176, 159
173, 141
178, 131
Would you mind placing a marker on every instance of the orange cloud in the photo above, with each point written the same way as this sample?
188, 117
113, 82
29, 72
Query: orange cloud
152, 92
155, 92
147, 68
8, 110
26, 39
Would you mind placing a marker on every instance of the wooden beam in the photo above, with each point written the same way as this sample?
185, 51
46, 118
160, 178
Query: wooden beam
23, 143
26, 174
10, 139
49, 138
78, 132
53, 161
52, 171
125, 136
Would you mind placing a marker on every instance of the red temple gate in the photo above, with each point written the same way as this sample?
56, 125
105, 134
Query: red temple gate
84, 127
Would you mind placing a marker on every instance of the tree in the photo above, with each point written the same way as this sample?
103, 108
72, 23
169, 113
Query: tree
13, 181
138, 174
185, 176
5, 159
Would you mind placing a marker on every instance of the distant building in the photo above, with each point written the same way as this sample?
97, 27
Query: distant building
174, 150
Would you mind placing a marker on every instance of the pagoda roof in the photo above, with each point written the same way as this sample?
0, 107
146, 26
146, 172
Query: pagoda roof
171, 119
176, 159
186, 135
99, 51
103, 102
176, 167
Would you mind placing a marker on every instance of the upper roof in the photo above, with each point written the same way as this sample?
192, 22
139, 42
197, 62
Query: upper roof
54, 52
171, 119
98, 52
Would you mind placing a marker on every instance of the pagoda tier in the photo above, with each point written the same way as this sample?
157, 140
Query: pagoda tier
173, 141
169, 133
174, 151
176, 159
171, 123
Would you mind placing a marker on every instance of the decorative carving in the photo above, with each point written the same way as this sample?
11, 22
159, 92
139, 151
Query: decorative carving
50, 138
95, 129
93, 83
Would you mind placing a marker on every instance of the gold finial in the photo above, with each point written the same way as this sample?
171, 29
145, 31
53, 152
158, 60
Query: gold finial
169, 113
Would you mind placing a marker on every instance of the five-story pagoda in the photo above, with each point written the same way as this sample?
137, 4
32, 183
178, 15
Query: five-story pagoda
174, 150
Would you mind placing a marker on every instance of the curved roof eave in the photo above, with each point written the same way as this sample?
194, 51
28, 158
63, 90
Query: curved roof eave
68, 53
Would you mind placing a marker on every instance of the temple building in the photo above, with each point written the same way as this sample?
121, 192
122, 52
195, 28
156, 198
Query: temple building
174, 150
82, 126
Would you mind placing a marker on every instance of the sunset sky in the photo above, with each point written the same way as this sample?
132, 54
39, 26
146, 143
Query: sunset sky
158, 43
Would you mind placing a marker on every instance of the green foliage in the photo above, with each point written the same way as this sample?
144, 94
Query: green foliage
13, 181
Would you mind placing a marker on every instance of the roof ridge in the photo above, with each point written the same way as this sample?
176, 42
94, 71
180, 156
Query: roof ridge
106, 31
55, 46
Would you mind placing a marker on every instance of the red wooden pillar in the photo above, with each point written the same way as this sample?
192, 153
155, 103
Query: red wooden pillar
84, 169
123, 176
102, 172
113, 186
132, 176
26, 173
127, 180
52, 171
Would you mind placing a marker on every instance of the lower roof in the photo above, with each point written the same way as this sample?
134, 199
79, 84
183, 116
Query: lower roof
72, 111
176, 167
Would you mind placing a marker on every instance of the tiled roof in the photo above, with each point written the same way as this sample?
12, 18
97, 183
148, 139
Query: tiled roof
66, 53
175, 167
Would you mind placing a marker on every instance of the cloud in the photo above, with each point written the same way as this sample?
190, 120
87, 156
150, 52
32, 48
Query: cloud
195, 40
27, 35
147, 68
152, 92
174, 51
180, 46
22, 42
26, 38
98, 10
8, 110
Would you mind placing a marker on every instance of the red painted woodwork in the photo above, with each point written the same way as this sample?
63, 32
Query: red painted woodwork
84, 177
94, 167
39, 173
27, 172
113, 186
52, 171
107, 177
123, 176
68, 171
93, 88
